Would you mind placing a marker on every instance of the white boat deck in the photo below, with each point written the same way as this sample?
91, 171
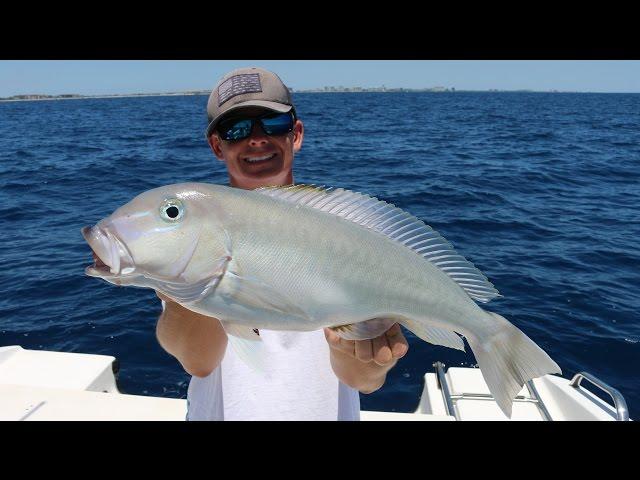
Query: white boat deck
44, 385
75, 371
552, 398
20, 402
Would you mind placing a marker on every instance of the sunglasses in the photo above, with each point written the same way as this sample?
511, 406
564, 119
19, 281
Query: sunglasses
234, 129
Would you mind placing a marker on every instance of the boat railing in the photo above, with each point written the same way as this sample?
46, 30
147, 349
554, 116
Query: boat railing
444, 388
622, 412
448, 397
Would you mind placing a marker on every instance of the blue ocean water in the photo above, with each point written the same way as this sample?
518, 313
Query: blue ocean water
541, 191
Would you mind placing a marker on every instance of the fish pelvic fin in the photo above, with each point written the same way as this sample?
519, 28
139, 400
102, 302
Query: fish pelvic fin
248, 346
364, 330
508, 359
434, 335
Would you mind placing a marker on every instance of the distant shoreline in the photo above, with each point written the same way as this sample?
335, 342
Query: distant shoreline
39, 98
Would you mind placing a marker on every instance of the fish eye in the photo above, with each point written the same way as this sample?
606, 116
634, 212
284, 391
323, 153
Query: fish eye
172, 210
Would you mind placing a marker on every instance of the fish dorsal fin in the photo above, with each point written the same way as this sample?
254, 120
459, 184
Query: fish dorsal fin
394, 223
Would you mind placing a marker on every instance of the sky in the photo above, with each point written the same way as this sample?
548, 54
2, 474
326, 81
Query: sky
99, 77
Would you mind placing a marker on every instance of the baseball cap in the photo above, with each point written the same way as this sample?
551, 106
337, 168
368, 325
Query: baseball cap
247, 87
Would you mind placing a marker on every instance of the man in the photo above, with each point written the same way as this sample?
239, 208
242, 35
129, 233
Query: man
254, 130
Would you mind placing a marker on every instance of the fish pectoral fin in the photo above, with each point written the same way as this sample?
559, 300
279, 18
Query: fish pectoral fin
247, 344
241, 331
183, 292
256, 294
364, 330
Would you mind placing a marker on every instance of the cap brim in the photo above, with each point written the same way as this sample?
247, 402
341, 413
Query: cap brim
276, 107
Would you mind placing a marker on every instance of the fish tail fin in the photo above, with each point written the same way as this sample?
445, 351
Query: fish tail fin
508, 359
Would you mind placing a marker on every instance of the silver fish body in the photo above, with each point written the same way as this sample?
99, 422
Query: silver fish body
303, 258
336, 272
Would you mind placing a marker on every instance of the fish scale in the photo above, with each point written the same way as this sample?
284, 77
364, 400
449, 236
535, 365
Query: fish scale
344, 283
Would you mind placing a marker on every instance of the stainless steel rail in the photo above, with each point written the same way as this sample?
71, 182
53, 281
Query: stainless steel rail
448, 398
444, 387
533, 391
620, 403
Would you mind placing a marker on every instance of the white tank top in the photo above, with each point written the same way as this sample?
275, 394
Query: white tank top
300, 384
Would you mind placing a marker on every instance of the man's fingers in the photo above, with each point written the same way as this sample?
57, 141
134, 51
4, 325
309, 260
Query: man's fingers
364, 350
397, 343
381, 350
332, 337
394, 330
335, 341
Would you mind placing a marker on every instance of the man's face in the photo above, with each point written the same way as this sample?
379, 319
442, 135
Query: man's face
260, 159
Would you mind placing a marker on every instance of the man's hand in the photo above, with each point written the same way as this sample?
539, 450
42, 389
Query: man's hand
387, 348
363, 364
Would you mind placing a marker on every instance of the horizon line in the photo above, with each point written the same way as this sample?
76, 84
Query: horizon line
326, 89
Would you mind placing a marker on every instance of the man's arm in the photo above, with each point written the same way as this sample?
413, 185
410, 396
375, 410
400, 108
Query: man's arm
197, 341
364, 364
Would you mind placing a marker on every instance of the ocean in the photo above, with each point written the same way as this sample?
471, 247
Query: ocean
541, 191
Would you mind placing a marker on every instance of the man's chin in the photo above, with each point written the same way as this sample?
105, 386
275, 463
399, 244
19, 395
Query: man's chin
271, 168
262, 178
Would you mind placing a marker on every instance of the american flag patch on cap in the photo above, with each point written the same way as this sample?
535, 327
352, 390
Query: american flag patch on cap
237, 85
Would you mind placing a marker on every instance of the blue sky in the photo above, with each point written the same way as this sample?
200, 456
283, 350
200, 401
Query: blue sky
95, 77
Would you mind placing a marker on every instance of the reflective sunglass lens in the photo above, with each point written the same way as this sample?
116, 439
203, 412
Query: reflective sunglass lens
236, 130
272, 124
278, 124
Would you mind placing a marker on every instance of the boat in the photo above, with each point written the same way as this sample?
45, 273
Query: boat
47, 385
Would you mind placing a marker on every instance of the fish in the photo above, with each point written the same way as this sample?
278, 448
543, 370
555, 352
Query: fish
306, 257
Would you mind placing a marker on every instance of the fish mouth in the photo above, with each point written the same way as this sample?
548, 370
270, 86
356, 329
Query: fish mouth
111, 257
